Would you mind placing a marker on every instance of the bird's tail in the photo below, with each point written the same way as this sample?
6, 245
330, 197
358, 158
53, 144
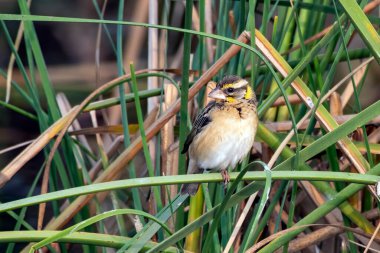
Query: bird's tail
190, 189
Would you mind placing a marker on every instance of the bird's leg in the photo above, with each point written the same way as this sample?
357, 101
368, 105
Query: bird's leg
225, 176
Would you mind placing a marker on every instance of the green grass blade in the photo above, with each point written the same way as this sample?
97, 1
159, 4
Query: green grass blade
111, 241
363, 25
115, 22
20, 66
152, 229
180, 179
92, 220
38, 57
268, 212
263, 201
337, 134
148, 159
21, 216
18, 110
184, 117
207, 244
124, 115
235, 199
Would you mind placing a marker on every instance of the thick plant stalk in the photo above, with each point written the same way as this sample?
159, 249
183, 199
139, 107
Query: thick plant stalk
152, 51
169, 165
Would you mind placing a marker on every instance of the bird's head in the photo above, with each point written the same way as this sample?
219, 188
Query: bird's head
232, 89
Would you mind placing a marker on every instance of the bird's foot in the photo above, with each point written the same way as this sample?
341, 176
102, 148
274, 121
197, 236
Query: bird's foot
226, 177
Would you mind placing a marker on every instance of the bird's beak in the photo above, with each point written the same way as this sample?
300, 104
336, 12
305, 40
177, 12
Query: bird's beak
217, 94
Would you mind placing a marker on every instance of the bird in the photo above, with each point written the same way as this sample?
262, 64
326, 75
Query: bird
223, 132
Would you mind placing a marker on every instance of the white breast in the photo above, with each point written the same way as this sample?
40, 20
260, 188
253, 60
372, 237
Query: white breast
223, 143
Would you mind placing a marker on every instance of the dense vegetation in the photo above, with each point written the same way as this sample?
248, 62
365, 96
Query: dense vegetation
308, 184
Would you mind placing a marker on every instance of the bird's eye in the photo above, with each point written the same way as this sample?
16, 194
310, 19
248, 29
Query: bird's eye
230, 90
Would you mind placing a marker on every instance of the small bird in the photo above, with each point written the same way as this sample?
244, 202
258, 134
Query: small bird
223, 132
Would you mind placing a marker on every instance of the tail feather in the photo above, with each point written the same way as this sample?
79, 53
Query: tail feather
190, 189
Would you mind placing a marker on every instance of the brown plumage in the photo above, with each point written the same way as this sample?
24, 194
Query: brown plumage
223, 133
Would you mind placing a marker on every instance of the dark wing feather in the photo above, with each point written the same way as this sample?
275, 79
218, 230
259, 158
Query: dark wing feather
202, 119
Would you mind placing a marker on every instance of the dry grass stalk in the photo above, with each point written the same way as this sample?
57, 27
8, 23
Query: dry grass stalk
153, 63
349, 90
209, 24
283, 215
210, 86
364, 246
99, 140
287, 125
64, 107
231, 21
239, 223
374, 137
33, 149
20, 34
195, 19
62, 75
97, 45
42, 206
110, 151
318, 200
355, 200
267, 240
313, 193
316, 237
136, 35
372, 238
285, 219
167, 139
152, 52
294, 99
19, 145
336, 104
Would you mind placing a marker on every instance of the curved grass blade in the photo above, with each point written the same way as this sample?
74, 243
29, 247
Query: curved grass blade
129, 97
18, 110
180, 179
238, 42
111, 241
364, 26
92, 220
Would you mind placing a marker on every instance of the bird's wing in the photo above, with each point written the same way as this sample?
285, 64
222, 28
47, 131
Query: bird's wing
202, 119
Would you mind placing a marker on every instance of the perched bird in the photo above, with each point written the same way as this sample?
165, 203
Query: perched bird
224, 131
